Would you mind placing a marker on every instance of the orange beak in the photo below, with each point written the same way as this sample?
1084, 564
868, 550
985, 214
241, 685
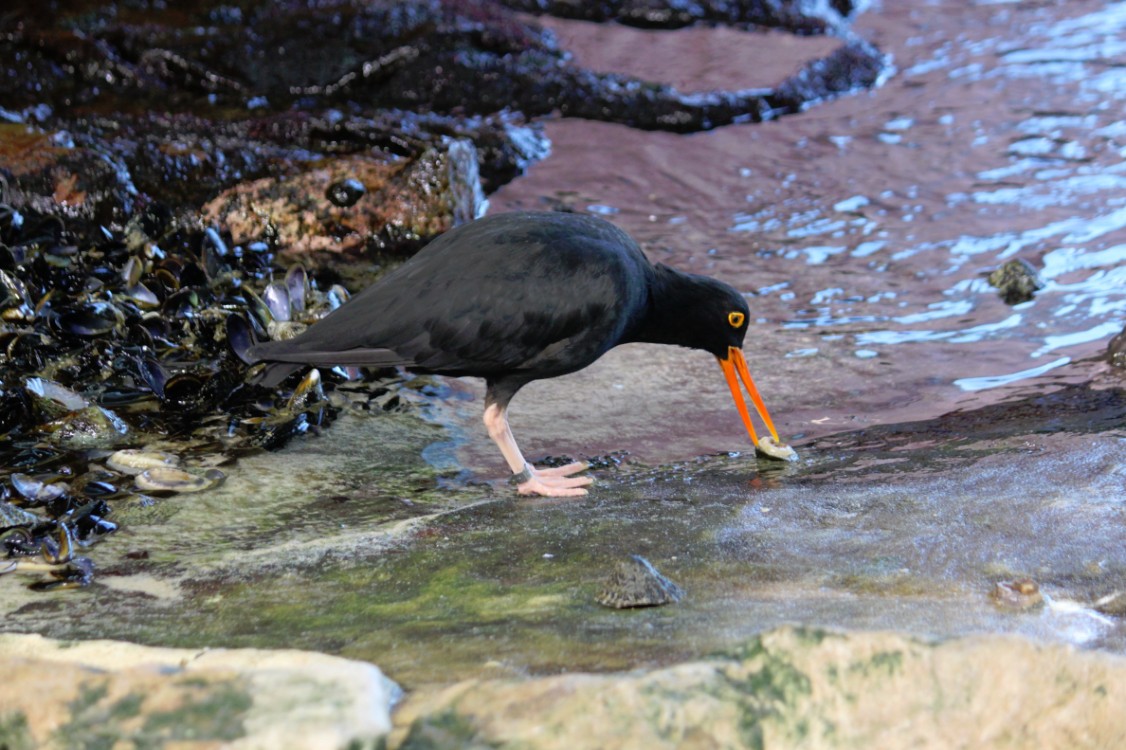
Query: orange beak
736, 362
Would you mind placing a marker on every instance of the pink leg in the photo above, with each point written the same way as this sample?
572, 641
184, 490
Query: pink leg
555, 482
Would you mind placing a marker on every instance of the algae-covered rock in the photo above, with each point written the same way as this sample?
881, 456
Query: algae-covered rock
800, 688
1016, 281
62, 694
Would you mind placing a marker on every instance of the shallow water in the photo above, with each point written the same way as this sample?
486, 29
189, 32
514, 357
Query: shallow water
863, 230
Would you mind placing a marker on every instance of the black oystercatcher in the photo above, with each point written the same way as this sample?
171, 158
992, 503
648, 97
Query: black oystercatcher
517, 297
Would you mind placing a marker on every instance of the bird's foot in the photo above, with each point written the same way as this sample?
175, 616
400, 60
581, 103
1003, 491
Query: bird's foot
556, 481
564, 471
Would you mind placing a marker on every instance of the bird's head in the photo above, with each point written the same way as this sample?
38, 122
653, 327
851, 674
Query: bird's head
703, 313
718, 318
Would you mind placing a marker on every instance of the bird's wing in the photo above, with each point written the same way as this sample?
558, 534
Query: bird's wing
502, 304
496, 302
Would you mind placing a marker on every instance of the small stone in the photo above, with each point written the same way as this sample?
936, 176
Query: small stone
1016, 281
636, 583
1019, 594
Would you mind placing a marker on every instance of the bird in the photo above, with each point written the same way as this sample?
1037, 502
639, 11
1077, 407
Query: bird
522, 296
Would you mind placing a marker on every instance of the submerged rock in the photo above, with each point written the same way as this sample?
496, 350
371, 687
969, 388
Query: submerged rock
1016, 281
636, 583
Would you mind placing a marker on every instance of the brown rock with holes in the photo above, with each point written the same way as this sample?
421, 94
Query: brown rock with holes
414, 199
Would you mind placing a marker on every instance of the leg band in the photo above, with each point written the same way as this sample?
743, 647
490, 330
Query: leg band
521, 476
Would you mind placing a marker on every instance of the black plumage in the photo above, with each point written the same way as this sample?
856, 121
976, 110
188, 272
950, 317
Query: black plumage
518, 297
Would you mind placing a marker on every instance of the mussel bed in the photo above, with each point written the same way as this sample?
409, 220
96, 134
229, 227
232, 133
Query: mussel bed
120, 381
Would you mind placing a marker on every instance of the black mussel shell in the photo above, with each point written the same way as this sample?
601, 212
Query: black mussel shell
155, 220
239, 337
181, 304
276, 297
345, 193
184, 392
297, 282
153, 375
86, 321
138, 335
16, 411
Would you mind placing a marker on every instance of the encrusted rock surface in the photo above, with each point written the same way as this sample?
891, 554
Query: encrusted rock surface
65, 694
798, 688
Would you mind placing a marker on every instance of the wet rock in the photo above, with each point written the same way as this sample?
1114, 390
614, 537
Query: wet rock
636, 583
195, 106
802, 18
1016, 281
60, 694
1116, 350
421, 197
796, 687
89, 428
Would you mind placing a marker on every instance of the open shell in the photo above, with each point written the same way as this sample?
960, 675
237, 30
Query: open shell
771, 448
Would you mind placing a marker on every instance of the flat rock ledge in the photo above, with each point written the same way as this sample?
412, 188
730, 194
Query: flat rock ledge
791, 687
69, 694
794, 688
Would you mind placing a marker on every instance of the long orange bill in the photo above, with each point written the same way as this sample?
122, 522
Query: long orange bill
733, 363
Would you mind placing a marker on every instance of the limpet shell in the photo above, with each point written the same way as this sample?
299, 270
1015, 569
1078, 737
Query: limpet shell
170, 479
771, 448
636, 583
136, 460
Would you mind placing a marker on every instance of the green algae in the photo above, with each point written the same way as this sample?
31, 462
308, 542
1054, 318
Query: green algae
217, 714
14, 732
205, 711
446, 729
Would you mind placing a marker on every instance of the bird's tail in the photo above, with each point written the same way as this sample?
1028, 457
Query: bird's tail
246, 346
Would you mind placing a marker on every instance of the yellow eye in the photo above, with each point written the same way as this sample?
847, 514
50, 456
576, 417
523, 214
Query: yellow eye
735, 319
